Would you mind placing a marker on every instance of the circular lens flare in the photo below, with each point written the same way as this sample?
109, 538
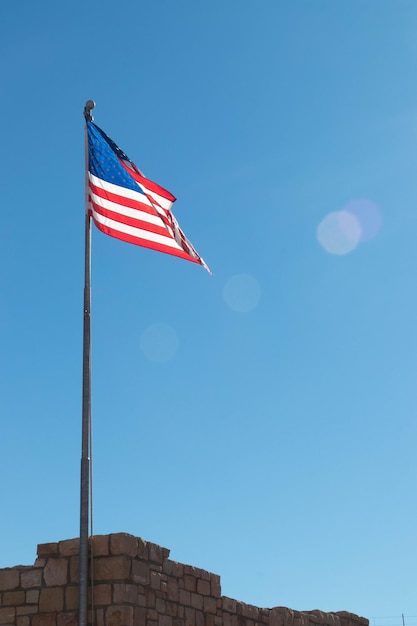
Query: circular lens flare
242, 293
339, 232
159, 342
368, 215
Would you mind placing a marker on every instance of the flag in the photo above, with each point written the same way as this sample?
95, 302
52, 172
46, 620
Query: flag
126, 205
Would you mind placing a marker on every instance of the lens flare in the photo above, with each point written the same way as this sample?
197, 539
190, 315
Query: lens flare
242, 293
368, 215
339, 232
159, 343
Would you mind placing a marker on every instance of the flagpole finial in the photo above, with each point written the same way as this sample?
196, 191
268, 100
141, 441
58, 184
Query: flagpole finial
89, 106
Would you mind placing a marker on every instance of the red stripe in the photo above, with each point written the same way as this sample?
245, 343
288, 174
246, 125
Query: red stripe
131, 221
145, 243
131, 204
149, 184
127, 202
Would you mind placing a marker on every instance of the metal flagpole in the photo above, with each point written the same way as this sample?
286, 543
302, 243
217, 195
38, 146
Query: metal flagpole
86, 405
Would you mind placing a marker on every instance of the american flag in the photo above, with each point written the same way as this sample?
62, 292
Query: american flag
126, 205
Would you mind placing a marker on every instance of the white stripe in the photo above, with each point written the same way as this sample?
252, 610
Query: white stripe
135, 232
163, 202
127, 211
119, 191
131, 193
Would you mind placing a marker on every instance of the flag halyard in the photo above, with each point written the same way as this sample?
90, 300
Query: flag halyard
126, 205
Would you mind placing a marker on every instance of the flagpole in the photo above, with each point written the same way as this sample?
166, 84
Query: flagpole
86, 404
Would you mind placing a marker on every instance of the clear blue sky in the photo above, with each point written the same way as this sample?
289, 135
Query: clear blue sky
260, 423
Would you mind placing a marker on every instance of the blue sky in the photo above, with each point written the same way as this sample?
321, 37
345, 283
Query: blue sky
260, 423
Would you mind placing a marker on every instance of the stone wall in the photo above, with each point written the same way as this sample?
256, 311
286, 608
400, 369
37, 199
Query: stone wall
135, 585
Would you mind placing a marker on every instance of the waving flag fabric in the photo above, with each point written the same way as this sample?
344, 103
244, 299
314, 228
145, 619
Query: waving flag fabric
126, 205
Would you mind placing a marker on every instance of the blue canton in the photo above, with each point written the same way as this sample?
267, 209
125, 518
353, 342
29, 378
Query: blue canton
103, 159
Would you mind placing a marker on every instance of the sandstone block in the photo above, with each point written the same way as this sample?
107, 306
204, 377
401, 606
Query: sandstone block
26, 610
157, 554
22, 621
142, 549
100, 545
190, 582
351, 618
140, 572
189, 617
203, 587
173, 590
228, 604
122, 543
247, 610
31, 578
125, 593
9, 579
287, 614
47, 549
74, 567
102, 595
13, 598
215, 585
167, 567
68, 619
205, 575
139, 616
150, 598
226, 619
177, 569
69, 547
171, 609
165, 620
71, 598
196, 572
210, 605
99, 618
32, 596
155, 580
7, 615
276, 617
119, 616
331, 619
185, 597
302, 619
44, 619
196, 601
51, 599
56, 572
112, 568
